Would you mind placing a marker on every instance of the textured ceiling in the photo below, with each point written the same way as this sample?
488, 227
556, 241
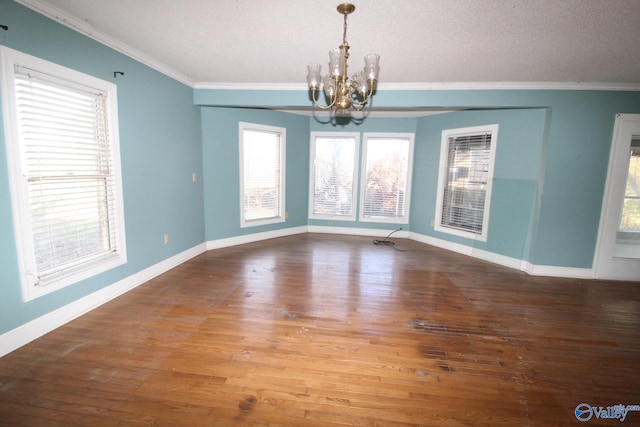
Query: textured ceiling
249, 42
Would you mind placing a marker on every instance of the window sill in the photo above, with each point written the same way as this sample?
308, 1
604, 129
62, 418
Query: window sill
71, 276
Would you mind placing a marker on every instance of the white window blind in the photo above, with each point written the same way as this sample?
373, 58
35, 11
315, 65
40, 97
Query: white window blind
385, 189
64, 172
464, 188
67, 167
333, 175
262, 174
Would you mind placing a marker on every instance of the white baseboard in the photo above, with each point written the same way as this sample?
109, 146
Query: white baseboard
505, 261
23, 334
36, 328
469, 251
255, 237
554, 271
368, 232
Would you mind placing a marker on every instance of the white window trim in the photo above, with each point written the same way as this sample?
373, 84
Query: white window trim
280, 217
363, 178
354, 189
9, 58
442, 179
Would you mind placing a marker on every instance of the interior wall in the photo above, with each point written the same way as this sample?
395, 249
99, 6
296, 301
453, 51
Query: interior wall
578, 131
580, 136
160, 146
166, 137
221, 160
517, 177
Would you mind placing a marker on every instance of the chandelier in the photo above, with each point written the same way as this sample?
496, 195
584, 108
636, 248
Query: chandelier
343, 93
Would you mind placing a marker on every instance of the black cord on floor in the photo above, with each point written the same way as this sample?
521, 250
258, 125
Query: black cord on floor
388, 242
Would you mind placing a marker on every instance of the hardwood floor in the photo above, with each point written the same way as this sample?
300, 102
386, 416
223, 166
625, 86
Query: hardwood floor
319, 330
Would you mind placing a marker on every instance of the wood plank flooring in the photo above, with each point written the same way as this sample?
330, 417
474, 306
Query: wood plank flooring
321, 330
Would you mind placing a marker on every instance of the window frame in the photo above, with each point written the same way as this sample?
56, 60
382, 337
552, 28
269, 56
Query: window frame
32, 286
443, 172
626, 235
281, 214
409, 178
354, 181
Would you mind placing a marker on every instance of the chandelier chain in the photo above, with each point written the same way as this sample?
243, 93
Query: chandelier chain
344, 33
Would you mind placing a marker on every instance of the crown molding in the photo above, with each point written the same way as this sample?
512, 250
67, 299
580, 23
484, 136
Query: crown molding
437, 86
83, 28
250, 86
511, 86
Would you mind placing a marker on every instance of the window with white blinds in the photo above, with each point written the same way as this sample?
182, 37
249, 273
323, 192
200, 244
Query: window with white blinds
262, 174
386, 178
629, 223
333, 175
464, 186
66, 175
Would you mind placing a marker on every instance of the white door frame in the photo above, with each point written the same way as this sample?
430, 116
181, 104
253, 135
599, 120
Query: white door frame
605, 264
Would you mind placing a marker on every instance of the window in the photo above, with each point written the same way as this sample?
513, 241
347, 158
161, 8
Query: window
386, 180
262, 174
464, 185
63, 155
629, 224
333, 175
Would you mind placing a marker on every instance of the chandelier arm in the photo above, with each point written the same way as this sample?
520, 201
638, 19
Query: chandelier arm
369, 95
322, 107
357, 106
360, 103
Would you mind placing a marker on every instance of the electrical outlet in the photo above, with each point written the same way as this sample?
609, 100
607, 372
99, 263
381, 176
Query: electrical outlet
194, 177
286, 215
166, 239
433, 223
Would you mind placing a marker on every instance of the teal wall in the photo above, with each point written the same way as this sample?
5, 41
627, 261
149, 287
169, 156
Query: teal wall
160, 144
551, 165
566, 196
516, 183
221, 160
